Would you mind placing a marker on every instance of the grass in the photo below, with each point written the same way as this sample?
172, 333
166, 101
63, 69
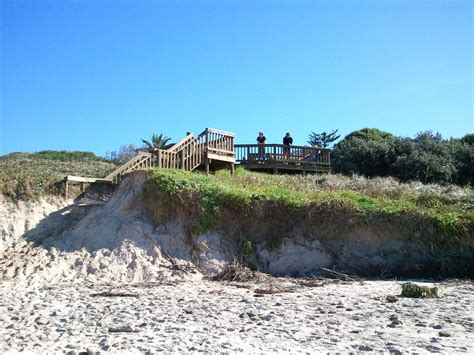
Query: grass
31, 175
451, 209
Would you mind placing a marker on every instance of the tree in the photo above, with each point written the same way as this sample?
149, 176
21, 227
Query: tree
322, 139
368, 152
463, 154
156, 142
468, 139
125, 153
433, 159
368, 134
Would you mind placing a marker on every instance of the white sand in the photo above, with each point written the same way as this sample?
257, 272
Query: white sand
213, 316
55, 256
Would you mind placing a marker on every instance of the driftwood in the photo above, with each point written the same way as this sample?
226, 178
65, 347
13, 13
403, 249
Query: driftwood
114, 294
341, 275
315, 282
183, 268
236, 272
123, 329
108, 313
156, 283
272, 290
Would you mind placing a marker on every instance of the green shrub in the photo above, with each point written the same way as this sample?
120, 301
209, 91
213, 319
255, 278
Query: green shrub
412, 290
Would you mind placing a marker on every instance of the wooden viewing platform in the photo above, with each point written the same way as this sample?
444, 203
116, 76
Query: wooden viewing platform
279, 157
213, 149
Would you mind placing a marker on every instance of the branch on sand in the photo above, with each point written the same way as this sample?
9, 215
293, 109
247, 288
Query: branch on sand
236, 272
114, 294
183, 268
341, 276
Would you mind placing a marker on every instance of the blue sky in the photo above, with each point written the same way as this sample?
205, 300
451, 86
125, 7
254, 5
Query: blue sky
95, 75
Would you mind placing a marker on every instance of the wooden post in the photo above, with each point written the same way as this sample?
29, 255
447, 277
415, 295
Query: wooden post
206, 163
83, 186
206, 152
182, 159
66, 186
232, 168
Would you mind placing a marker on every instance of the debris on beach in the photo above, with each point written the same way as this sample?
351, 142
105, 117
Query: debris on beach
236, 272
409, 289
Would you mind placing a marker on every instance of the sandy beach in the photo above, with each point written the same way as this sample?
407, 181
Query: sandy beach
209, 316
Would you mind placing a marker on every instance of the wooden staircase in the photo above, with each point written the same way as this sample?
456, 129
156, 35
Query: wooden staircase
210, 147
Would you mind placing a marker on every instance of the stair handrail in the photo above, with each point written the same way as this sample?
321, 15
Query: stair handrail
177, 146
125, 166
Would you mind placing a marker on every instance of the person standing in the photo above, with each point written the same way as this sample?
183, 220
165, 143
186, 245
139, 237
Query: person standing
261, 141
287, 143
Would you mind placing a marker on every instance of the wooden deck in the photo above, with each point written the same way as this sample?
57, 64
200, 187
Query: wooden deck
214, 149
278, 157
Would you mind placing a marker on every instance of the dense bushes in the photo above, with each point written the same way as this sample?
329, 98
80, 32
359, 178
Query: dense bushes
428, 157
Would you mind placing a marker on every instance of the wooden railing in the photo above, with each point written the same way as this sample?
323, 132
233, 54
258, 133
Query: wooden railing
187, 154
219, 143
176, 147
279, 153
142, 161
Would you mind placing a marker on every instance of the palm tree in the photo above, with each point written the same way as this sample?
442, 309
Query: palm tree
156, 142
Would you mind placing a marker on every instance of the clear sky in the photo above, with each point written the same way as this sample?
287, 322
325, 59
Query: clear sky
94, 75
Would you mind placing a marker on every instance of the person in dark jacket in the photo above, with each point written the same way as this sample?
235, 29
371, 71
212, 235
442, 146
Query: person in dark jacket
287, 143
261, 140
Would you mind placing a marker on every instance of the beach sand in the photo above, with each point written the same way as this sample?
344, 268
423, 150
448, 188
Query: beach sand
211, 316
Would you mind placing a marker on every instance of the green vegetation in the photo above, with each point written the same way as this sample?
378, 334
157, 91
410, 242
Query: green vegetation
61, 155
412, 290
30, 175
156, 142
427, 158
323, 139
450, 209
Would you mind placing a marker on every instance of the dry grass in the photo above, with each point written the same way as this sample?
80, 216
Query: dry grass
386, 186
